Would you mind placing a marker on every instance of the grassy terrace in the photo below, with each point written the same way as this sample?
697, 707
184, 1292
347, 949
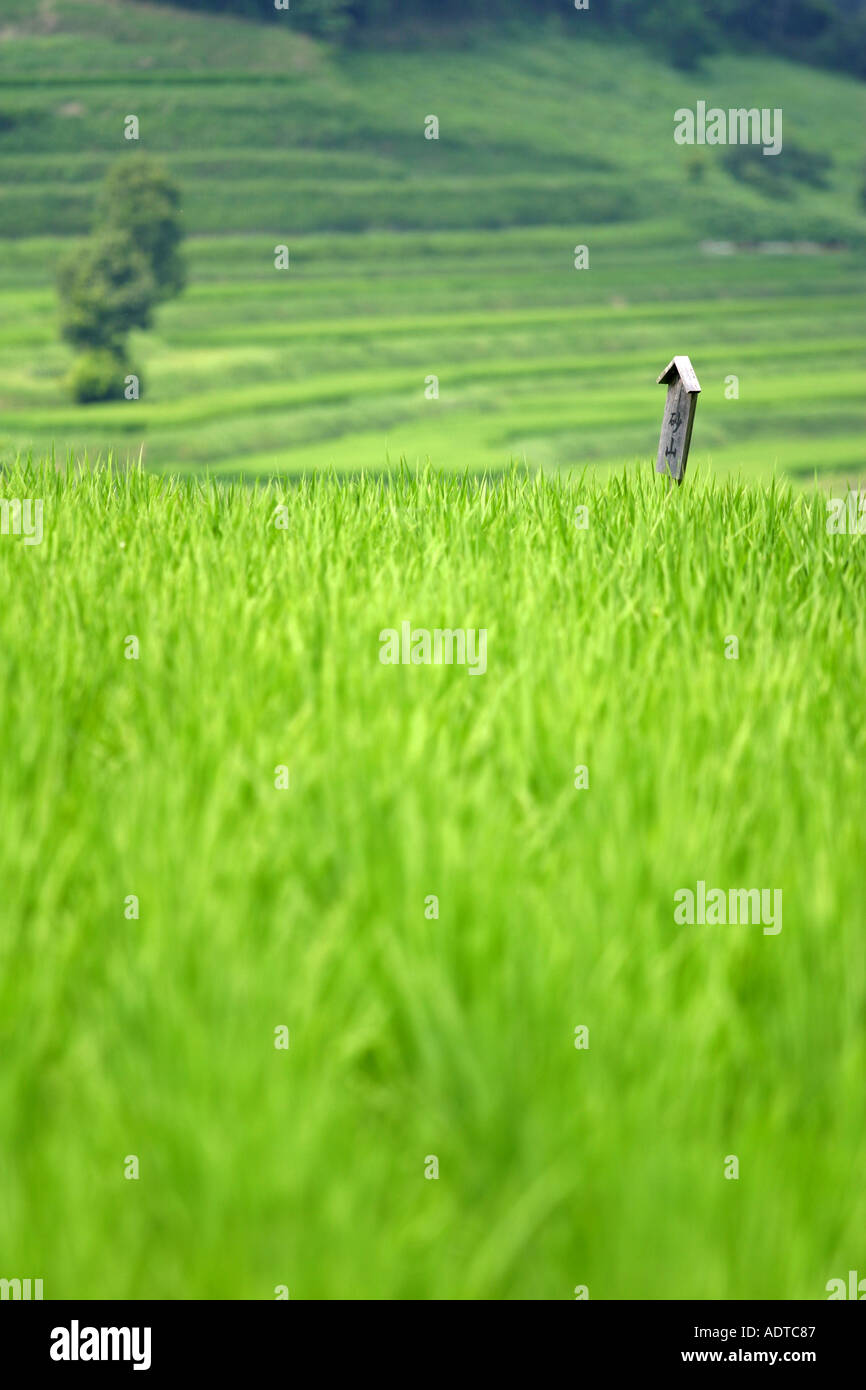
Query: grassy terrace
253, 371
412, 258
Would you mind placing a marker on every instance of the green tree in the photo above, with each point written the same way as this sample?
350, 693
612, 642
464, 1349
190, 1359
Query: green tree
113, 284
105, 290
141, 201
98, 375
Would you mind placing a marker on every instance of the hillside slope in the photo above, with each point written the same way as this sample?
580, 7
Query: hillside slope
413, 258
270, 130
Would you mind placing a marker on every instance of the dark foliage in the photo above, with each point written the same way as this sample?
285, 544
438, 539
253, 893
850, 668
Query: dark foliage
831, 33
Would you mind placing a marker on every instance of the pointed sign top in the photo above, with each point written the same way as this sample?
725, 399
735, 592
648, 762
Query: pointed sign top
682, 367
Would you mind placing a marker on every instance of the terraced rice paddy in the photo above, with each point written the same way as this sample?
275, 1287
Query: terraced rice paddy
453, 258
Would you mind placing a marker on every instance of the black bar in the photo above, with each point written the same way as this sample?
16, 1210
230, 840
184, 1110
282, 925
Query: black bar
219, 1339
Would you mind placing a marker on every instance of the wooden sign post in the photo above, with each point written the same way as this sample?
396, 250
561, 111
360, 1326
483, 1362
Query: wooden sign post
682, 398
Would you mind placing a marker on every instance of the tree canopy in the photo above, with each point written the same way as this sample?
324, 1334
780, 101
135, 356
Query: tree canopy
830, 33
112, 284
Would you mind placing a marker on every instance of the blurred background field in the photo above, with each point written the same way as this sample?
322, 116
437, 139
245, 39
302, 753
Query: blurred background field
412, 258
